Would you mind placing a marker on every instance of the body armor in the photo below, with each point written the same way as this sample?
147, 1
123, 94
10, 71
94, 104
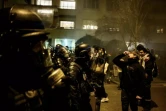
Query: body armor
29, 65
61, 57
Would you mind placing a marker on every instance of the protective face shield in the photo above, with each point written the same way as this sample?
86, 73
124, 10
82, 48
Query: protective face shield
83, 51
62, 51
19, 24
22, 49
43, 60
55, 78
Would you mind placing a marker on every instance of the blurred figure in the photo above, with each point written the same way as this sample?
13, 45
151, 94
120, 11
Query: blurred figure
26, 65
132, 80
58, 96
61, 57
147, 60
24, 61
99, 69
78, 79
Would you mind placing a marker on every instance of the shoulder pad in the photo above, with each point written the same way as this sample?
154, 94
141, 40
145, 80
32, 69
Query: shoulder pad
75, 65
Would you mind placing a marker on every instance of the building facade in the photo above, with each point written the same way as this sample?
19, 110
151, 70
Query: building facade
78, 18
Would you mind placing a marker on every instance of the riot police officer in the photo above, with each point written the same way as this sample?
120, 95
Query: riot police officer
79, 74
57, 98
61, 57
26, 65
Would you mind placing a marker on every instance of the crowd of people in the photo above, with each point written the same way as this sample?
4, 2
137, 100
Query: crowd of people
40, 79
136, 77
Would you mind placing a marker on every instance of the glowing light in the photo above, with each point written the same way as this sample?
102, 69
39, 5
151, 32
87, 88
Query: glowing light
45, 11
65, 40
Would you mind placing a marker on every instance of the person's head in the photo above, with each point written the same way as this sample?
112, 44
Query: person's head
21, 30
83, 51
62, 52
142, 53
133, 57
22, 41
102, 51
142, 50
96, 48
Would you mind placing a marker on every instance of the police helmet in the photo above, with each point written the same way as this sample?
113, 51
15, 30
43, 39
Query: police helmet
61, 51
82, 50
19, 23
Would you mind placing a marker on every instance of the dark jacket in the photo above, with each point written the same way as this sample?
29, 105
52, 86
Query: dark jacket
149, 65
79, 88
133, 74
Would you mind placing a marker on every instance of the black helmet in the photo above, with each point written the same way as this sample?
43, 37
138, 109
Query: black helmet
82, 51
19, 23
19, 18
61, 51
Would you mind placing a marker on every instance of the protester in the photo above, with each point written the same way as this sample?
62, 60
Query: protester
147, 60
132, 80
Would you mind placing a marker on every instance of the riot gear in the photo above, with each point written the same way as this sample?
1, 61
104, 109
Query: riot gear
22, 38
58, 96
83, 51
29, 64
62, 51
17, 25
61, 57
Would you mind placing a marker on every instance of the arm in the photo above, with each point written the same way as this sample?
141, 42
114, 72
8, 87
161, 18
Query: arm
118, 62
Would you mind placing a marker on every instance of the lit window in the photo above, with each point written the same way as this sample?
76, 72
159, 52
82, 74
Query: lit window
114, 29
44, 2
67, 24
117, 29
44, 11
90, 24
66, 42
160, 30
67, 4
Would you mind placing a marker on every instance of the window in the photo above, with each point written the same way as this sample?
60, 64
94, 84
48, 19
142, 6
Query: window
67, 4
66, 42
92, 4
90, 24
114, 29
160, 30
45, 11
67, 24
44, 2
